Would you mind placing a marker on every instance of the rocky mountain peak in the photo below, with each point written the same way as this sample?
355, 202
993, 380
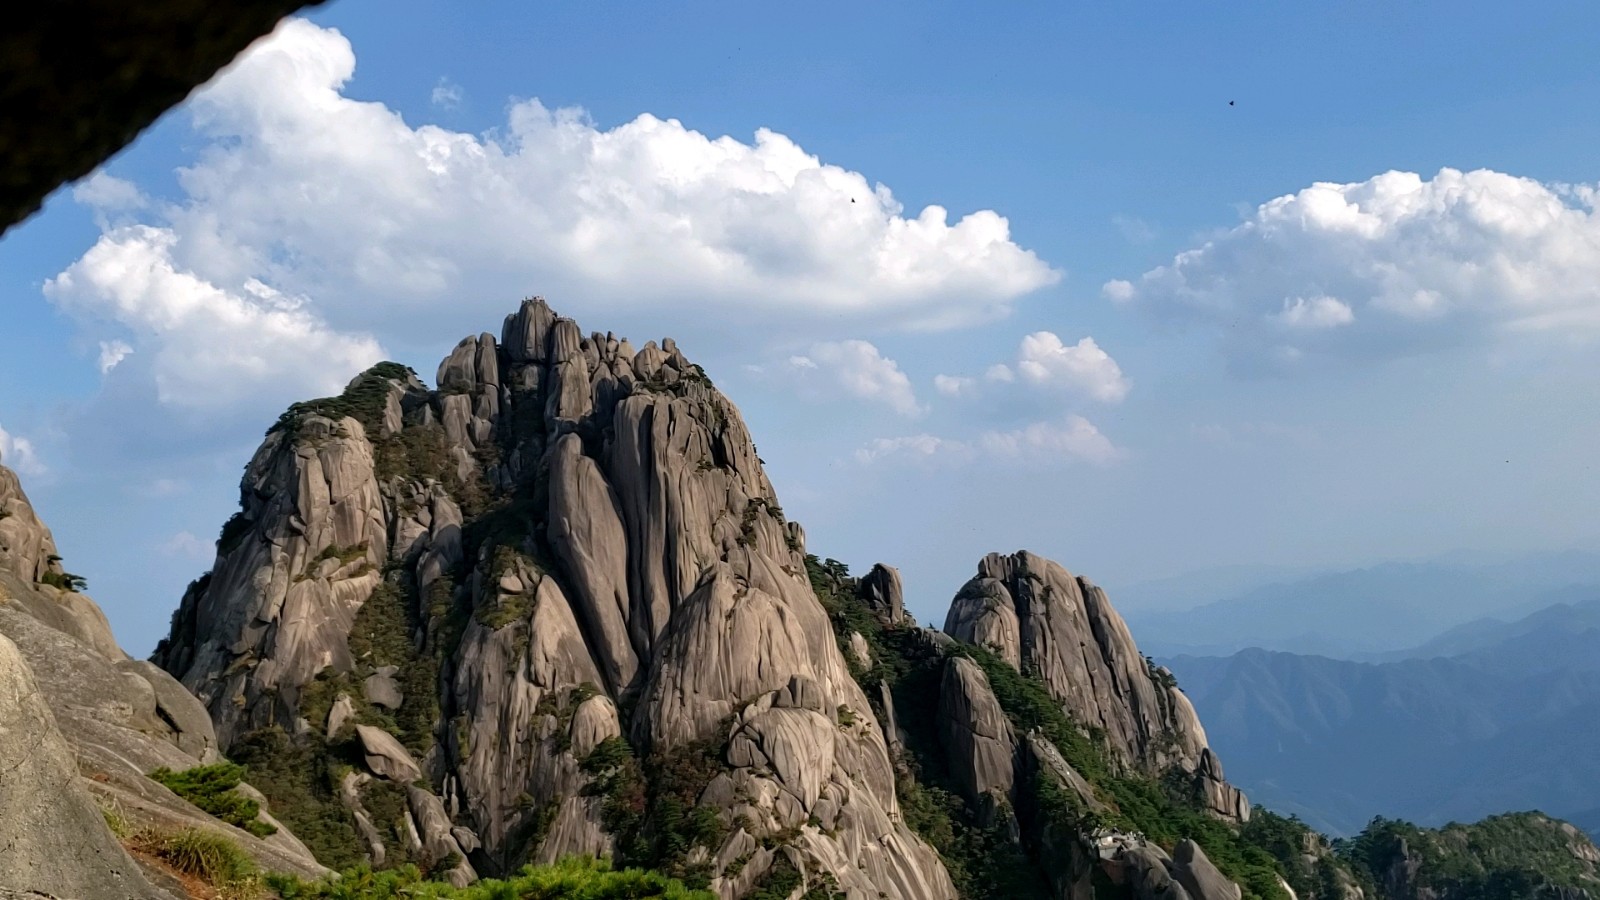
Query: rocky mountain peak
564, 559
1043, 620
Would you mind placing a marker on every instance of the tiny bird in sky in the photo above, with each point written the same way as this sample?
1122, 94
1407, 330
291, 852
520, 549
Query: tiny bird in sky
1230, 102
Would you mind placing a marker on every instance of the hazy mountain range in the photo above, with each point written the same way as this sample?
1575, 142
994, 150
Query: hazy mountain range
1487, 716
1377, 613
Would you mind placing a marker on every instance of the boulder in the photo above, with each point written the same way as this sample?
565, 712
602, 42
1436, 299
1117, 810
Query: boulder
1199, 877
386, 756
381, 689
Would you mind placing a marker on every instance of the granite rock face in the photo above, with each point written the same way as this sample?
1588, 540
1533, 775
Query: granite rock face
119, 718
578, 535
976, 736
52, 838
882, 592
27, 549
1040, 618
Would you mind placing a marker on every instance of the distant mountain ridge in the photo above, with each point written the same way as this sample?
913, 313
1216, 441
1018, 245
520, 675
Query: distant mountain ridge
1378, 613
1506, 723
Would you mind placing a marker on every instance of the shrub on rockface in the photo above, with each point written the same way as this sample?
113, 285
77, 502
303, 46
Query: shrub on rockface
211, 788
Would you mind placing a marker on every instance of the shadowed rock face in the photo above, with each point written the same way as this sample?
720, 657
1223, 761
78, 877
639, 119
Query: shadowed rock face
1040, 618
587, 547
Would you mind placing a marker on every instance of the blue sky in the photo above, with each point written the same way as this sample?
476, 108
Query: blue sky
1397, 363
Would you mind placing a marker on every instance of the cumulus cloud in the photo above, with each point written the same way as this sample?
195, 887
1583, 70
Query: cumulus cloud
1389, 266
18, 453
310, 226
858, 370
1044, 360
1047, 363
343, 201
1072, 439
213, 347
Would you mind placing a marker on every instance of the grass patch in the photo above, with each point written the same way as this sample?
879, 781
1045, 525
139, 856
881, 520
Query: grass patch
205, 855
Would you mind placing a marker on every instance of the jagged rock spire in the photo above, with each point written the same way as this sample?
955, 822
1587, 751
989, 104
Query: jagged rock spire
575, 529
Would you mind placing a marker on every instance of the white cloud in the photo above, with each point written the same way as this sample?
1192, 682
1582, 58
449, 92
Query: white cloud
447, 94
954, 385
213, 347
1047, 363
19, 454
342, 201
111, 353
858, 370
1118, 290
108, 193
1073, 439
916, 446
1390, 266
1317, 312
1043, 360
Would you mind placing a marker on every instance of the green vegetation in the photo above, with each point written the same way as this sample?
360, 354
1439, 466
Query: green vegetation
212, 789
571, 879
502, 609
65, 581
300, 778
986, 863
116, 819
233, 533
363, 400
1514, 855
205, 855
345, 556
652, 807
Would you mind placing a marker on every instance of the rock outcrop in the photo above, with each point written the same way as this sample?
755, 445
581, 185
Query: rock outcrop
113, 719
975, 734
882, 592
576, 536
53, 840
27, 549
1041, 619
